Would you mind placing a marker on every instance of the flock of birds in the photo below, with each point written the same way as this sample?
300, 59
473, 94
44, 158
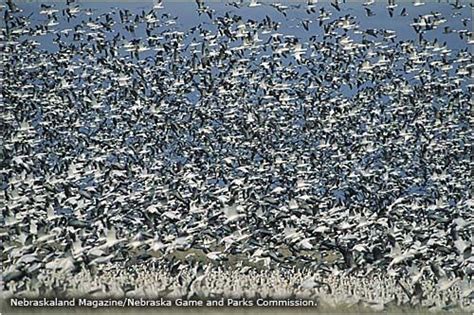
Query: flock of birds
193, 281
325, 150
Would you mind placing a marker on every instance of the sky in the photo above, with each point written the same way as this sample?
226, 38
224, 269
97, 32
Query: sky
291, 24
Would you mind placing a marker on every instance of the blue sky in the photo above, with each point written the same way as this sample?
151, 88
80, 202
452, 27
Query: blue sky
291, 25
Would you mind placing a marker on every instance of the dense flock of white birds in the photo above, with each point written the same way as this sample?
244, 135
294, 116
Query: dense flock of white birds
279, 149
